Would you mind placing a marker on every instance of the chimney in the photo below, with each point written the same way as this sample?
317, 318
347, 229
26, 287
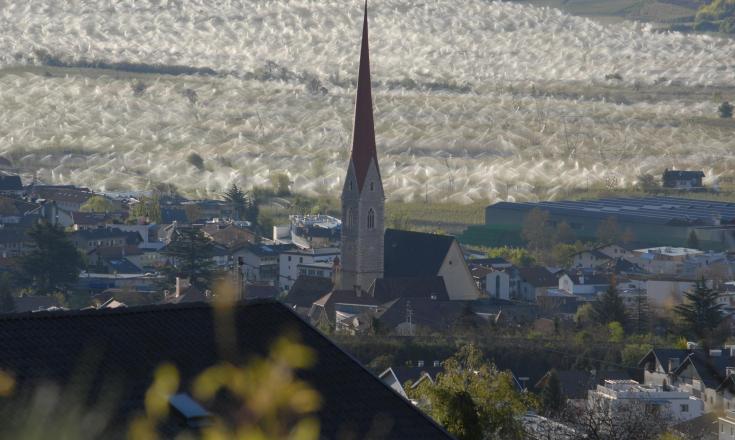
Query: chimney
336, 273
673, 364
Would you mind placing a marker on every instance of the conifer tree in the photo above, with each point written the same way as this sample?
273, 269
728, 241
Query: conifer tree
693, 240
54, 263
609, 307
192, 253
701, 313
237, 200
551, 396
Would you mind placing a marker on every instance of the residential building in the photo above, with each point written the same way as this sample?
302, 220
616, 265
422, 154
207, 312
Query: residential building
412, 376
586, 285
11, 184
686, 180
495, 283
137, 341
67, 198
534, 281
312, 231
88, 239
619, 396
260, 262
589, 259
298, 262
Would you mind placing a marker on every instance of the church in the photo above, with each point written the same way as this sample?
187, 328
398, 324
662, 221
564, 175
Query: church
376, 264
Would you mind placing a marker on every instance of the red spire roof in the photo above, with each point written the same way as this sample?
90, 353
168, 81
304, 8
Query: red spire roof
363, 136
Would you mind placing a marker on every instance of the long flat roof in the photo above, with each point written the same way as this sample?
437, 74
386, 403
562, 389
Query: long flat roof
658, 210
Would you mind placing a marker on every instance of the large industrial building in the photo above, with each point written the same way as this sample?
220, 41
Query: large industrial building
653, 221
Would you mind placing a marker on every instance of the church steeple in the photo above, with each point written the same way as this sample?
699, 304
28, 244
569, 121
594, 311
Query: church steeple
363, 135
363, 200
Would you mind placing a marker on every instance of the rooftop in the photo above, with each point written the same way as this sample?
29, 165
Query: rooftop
657, 210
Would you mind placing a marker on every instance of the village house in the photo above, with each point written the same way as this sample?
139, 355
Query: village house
586, 285
398, 378
619, 396
684, 180
87, 240
260, 262
297, 262
534, 281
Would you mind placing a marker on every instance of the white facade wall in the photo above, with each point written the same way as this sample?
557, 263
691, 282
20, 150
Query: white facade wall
457, 276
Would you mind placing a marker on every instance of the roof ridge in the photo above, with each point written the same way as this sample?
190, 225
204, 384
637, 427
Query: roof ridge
130, 310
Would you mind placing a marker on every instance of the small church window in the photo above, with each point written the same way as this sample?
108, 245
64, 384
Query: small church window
350, 184
372, 186
349, 217
371, 219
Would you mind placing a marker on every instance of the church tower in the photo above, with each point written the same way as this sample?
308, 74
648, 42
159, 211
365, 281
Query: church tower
363, 200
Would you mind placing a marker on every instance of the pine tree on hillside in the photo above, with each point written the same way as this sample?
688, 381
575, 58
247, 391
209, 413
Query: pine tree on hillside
701, 313
551, 395
237, 200
192, 253
54, 263
609, 307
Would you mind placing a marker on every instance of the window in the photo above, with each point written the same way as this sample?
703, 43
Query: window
371, 219
497, 285
348, 218
289, 258
372, 186
350, 184
685, 408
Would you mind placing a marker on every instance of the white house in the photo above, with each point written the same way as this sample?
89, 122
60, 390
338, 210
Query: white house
616, 395
311, 262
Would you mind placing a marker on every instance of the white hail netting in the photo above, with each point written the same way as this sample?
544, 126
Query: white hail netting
474, 100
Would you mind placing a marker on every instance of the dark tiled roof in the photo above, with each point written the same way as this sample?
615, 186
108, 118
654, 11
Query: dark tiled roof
435, 315
258, 291
123, 266
10, 183
170, 215
574, 383
89, 218
63, 193
404, 374
538, 276
129, 343
712, 370
34, 303
414, 254
681, 174
103, 233
386, 289
594, 278
306, 290
489, 262
115, 251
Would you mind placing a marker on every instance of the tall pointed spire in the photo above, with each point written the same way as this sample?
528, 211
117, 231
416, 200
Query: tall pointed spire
363, 135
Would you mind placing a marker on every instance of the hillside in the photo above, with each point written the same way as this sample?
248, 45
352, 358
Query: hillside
524, 103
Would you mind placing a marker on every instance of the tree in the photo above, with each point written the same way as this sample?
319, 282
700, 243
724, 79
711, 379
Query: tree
693, 240
701, 313
471, 385
237, 200
148, 209
585, 314
608, 231
535, 231
551, 397
518, 256
726, 110
281, 184
609, 307
640, 313
196, 161
192, 253
617, 334
565, 234
97, 204
54, 263
647, 183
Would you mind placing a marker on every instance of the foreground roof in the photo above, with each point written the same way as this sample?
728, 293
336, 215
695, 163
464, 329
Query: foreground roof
127, 344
